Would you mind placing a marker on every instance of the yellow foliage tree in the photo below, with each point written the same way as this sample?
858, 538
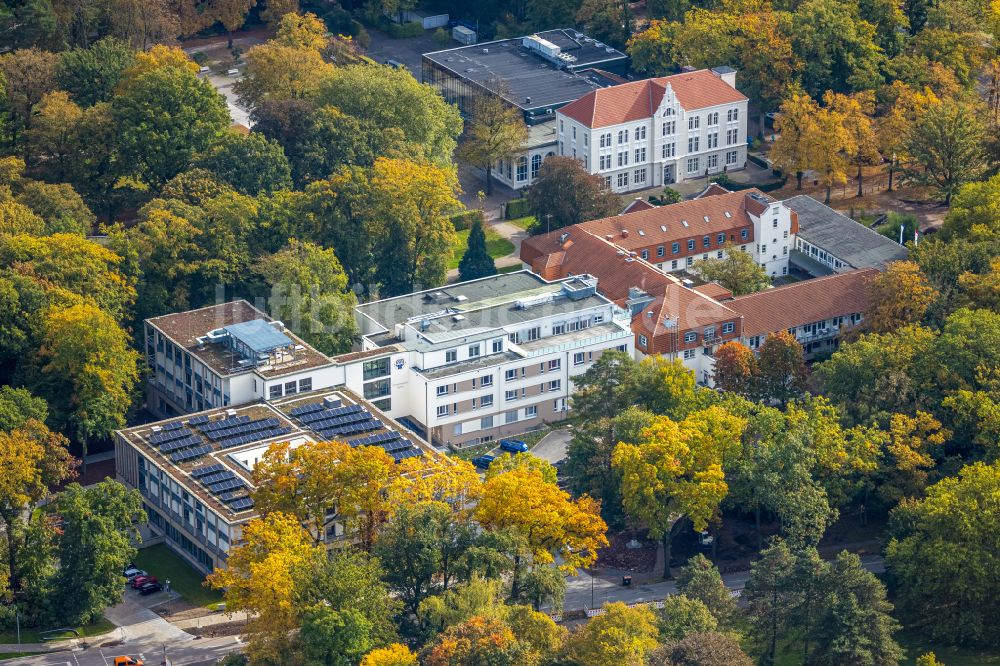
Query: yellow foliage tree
795, 125
911, 445
436, 479
391, 655
856, 113
621, 636
897, 297
301, 31
260, 579
676, 471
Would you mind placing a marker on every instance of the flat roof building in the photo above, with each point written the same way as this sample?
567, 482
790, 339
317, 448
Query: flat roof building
195, 472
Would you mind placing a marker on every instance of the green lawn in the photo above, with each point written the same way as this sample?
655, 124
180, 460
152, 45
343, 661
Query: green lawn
916, 645
524, 222
34, 634
496, 245
166, 565
511, 269
17, 655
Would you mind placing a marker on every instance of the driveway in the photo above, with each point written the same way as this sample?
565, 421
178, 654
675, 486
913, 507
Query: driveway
552, 447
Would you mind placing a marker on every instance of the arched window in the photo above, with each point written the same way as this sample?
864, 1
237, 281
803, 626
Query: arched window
522, 169
536, 163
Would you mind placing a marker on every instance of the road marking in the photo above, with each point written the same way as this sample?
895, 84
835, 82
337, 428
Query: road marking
101, 652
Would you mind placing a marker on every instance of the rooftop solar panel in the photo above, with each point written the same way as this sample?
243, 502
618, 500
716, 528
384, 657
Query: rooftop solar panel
190, 454
259, 436
217, 476
224, 423
406, 453
198, 420
178, 444
169, 435
202, 472
258, 336
330, 413
398, 445
243, 428
223, 486
232, 495
242, 504
173, 426
307, 409
351, 428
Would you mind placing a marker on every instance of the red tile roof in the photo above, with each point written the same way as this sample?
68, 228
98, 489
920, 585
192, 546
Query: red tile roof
714, 290
637, 205
639, 99
805, 302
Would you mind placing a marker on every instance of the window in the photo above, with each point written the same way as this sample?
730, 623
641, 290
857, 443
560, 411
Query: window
732, 136
640, 132
690, 337
660, 251
605, 161
645, 253
451, 356
558, 329
668, 111
643, 341
732, 115
623, 179
604, 140
533, 333
510, 375
486, 401
511, 416
713, 140
718, 255
555, 385
673, 265
305, 384
622, 136
693, 144
510, 395
706, 241
668, 150
669, 128
744, 234
578, 358
560, 127
274, 391
498, 345
485, 424
531, 412
713, 118
675, 248
555, 364
784, 249
712, 161
709, 333
536, 164
487, 380
640, 178
693, 165
728, 327
690, 244
522, 169
763, 249
373, 369
775, 224
689, 354
640, 155
574, 132
377, 389
623, 158
731, 157
784, 234
473, 351
694, 122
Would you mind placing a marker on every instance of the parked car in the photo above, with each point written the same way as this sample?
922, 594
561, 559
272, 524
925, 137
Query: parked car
128, 661
135, 573
513, 445
150, 588
131, 571
139, 581
483, 461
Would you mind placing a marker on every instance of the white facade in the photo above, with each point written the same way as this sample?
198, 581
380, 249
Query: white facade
673, 145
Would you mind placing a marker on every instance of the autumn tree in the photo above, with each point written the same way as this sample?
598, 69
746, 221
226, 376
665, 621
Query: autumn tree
736, 271
395, 654
676, 472
231, 14
476, 262
782, 371
795, 125
735, 368
478, 640
856, 113
897, 297
275, 71
28, 75
702, 649
59, 206
944, 148
275, 11
565, 194
496, 131
308, 291
620, 635
249, 163
550, 523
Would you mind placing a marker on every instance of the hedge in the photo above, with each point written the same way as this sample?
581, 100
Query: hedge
517, 208
734, 186
463, 221
404, 30
759, 162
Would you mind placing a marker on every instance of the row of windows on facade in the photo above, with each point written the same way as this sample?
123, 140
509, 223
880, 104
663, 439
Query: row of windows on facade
290, 388
156, 484
518, 168
815, 328
691, 337
511, 374
178, 539
670, 150
817, 253
639, 132
638, 176
179, 357
511, 395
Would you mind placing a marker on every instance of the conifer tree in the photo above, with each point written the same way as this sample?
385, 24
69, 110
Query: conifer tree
476, 262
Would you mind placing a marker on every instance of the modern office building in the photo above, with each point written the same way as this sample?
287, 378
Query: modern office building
195, 472
658, 131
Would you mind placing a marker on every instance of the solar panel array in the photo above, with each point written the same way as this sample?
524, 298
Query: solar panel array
232, 421
190, 454
242, 504
393, 443
315, 415
258, 436
198, 420
169, 435
367, 425
178, 444
226, 484
205, 471
307, 409
216, 477
405, 453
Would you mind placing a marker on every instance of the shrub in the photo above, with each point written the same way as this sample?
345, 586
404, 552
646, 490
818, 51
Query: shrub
405, 30
464, 220
517, 208
759, 162
441, 37
199, 58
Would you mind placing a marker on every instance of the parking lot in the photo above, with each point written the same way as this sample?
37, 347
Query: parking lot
406, 51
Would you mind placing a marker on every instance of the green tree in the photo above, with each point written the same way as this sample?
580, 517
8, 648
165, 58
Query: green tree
836, 46
231, 14
18, 406
606, 388
95, 545
308, 291
736, 271
621, 635
702, 649
974, 208
496, 132
476, 262
389, 98
700, 579
249, 163
781, 366
50, 141
62, 209
164, 118
682, 616
28, 75
607, 20
944, 148
565, 194
770, 600
91, 75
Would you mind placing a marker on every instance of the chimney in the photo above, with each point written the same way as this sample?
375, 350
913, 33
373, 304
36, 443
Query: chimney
624, 233
726, 73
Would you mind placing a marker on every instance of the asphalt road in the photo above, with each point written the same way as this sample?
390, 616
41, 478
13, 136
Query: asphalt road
189, 653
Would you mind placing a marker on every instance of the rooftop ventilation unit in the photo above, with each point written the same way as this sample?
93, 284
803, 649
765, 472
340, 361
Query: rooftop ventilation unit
230, 412
706, 218
532, 301
562, 238
458, 318
331, 402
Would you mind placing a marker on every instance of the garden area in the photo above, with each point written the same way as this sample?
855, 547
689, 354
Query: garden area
496, 245
166, 565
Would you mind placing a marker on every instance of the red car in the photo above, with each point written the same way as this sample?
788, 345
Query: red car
139, 581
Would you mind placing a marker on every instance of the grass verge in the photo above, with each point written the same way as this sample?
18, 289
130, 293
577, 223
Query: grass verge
163, 563
496, 245
524, 222
34, 634
17, 655
916, 644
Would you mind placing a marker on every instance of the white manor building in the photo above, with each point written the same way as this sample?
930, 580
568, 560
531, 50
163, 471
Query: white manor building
658, 131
